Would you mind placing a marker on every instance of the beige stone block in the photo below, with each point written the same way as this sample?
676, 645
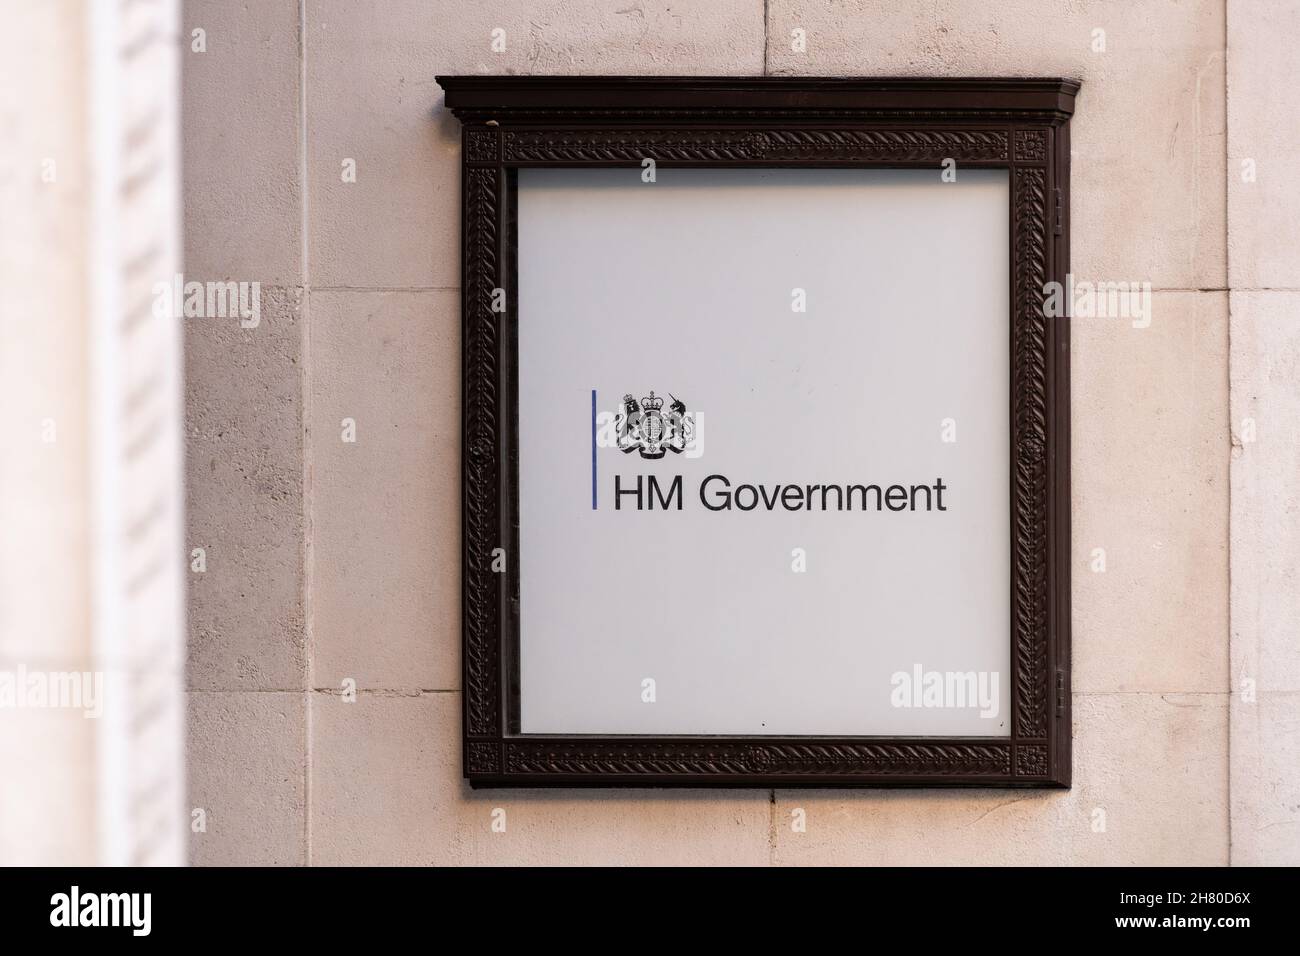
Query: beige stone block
1156, 765
1265, 499
386, 507
1150, 789
1265, 783
243, 417
1263, 142
918, 828
387, 789
1150, 488
397, 225
246, 757
241, 131
1148, 132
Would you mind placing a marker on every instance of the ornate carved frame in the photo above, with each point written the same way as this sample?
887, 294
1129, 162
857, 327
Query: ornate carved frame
1018, 124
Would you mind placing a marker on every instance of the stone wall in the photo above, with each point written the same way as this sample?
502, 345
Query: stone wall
331, 562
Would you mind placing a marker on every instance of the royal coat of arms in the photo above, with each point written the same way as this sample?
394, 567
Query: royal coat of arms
647, 428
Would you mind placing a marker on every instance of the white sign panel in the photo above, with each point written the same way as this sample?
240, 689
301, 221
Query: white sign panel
763, 452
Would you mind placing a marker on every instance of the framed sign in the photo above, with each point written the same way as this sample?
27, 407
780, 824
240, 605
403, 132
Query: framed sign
766, 431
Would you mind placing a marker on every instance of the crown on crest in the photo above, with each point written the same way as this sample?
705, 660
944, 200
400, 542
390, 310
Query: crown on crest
651, 404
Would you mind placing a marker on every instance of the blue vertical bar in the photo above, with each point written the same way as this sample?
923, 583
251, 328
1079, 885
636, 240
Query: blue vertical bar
593, 449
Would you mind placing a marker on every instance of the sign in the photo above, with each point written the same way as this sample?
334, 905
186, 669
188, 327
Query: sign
830, 508
766, 432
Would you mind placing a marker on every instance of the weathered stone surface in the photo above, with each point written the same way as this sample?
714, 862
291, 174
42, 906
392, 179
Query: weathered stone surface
1150, 788
1265, 498
244, 439
1265, 593
1152, 434
1147, 136
397, 225
243, 196
387, 788
1265, 784
1263, 141
385, 508
1150, 475
246, 757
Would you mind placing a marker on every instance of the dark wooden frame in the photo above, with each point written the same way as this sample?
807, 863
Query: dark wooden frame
1022, 125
